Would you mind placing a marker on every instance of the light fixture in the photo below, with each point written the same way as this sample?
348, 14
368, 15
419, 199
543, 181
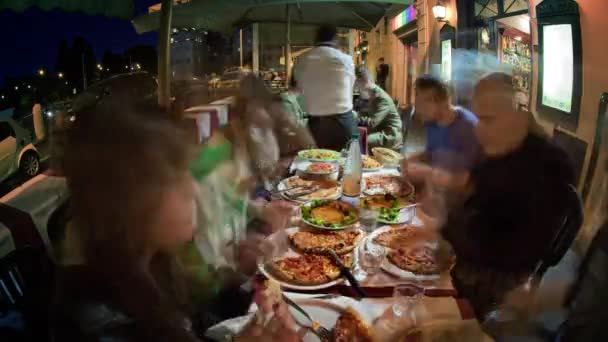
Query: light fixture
3, 97
29, 86
440, 12
518, 38
60, 75
127, 67
16, 87
41, 72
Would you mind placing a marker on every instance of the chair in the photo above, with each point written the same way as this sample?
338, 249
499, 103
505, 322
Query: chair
26, 286
573, 220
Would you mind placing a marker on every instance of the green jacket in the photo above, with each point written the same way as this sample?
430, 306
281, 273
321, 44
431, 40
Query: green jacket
292, 106
383, 121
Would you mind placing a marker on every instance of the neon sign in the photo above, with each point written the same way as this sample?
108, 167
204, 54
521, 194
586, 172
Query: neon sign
404, 18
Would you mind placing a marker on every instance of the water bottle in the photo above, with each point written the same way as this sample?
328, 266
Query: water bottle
351, 185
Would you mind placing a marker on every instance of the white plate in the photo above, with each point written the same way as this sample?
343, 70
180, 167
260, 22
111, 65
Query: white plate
282, 247
388, 267
406, 215
381, 191
327, 228
283, 185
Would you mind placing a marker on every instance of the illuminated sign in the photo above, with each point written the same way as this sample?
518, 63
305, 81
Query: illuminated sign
558, 67
404, 18
446, 60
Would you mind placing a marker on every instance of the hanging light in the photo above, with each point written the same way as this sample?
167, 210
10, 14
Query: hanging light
60, 75
440, 12
41, 72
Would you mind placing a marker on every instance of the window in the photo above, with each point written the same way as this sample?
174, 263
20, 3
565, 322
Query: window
515, 5
6, 131
486, 8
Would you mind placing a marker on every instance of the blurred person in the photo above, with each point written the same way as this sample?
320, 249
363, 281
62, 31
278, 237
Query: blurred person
382, 73
326, 76
502, 227
132, 203
382, 120
450, 144
291, 103
132, 198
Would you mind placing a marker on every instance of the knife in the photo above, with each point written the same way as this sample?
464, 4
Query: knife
345, 271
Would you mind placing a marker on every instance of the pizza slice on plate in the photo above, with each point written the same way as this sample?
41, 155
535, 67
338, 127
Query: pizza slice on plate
350, 327
418, 260
308, 269
341, 242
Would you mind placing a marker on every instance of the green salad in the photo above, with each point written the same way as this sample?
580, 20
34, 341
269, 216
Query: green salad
389, 214
319, 154
350, 215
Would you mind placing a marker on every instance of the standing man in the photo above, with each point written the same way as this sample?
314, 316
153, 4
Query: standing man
382, 71
382, 119
326, 77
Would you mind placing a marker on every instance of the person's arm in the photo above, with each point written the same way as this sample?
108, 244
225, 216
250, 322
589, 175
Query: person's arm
381, 109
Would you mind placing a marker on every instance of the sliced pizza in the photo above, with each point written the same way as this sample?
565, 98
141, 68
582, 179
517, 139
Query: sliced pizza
418, 260
350, 327
396, 238
313, 242
308, 269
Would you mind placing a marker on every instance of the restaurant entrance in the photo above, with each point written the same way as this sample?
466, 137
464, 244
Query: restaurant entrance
411, 63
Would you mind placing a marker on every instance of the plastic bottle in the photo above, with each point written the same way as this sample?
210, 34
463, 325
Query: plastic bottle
351, 184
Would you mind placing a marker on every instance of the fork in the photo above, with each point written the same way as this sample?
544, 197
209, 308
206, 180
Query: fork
323, 333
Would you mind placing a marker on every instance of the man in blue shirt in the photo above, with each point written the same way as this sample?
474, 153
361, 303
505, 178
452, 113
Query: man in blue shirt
451, 146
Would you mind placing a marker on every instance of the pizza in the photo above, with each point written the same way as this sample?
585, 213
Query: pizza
351, 328
322, 189
308, 269
418, 260
341, 242
388, 201
396, 238
387, 184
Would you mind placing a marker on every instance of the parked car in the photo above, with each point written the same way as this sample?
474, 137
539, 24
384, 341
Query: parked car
17, 151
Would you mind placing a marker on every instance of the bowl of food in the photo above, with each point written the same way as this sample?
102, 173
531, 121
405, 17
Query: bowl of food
387, 156
329, 215
391, 209
318, 171
370, 164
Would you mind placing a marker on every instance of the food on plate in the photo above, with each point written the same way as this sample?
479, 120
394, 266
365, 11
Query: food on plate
308, 269
386, 156
388, 201
389, 215
387, 184
321, 168
370, 163
302, 189
396, 238
350, 327
330, 214
341, 242
418, 260
319, 154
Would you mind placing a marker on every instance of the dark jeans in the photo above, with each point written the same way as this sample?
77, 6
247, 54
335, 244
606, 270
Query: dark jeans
333, 131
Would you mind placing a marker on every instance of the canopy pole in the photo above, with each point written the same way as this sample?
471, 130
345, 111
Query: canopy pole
287, 45
164, 55
241, 46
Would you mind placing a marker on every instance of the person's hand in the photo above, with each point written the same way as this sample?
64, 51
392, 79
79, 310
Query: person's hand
278, 214
275, 330
249, 251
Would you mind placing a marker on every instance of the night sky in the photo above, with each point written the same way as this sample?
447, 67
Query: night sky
30, 39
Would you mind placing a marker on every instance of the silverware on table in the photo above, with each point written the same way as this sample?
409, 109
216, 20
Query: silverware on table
344, 271
323, 333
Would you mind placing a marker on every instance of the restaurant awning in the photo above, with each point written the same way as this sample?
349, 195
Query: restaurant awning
222, 15
111, 8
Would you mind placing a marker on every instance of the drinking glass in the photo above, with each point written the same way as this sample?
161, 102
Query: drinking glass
370, 259
368, 219
405, 299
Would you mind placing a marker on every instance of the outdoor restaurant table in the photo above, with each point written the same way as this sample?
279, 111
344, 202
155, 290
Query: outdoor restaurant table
440, 302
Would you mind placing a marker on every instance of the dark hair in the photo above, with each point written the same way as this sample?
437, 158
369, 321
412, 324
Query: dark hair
429, 82
326, 33
362, 73
123, 156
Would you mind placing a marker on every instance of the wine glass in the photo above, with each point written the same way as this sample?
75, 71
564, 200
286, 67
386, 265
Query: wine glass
406, 298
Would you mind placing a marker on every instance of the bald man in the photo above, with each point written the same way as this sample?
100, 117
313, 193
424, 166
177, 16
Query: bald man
505, 225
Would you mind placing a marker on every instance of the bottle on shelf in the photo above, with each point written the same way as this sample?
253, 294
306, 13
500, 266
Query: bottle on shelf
351, 184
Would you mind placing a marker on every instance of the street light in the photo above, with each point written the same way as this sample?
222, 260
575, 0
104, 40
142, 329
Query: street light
127, 67
100, 67
440, 12
16, 87
41, 72
60, 75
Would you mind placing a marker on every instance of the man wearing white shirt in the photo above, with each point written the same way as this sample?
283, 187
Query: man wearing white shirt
326, 77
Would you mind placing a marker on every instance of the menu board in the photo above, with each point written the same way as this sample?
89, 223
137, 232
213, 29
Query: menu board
558, 67
446, 60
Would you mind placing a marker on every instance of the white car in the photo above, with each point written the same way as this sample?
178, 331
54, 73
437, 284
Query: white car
17, 151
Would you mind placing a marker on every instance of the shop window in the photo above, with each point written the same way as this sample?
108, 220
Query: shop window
486, 8
515, 5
